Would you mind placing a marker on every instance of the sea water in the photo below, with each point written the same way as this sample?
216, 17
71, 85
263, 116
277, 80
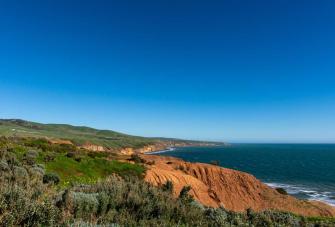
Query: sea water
306, 171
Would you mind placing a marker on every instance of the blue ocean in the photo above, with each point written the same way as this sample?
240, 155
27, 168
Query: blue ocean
306, 171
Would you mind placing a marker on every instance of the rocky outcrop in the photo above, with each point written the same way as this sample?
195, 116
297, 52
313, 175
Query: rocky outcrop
60, 141
216, 186
93, 147
163, 145
145, 149
127, 151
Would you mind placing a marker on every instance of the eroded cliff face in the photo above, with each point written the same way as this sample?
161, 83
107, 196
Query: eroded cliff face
215, 186
60, 141
93, 147
145, 149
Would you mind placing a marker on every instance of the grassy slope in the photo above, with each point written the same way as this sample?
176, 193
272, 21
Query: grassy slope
77, 134
82, 167
85, 166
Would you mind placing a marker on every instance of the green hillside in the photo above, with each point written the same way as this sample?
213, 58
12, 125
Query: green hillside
76, 134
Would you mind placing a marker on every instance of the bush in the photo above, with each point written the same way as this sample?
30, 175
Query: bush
31, 154
85, 205
30, 157
184, 196
71, 154
51, 178
4, 166
49, 157
11, 159
219, 216
18, 208
136, 158
130, 202
181, 168
37, 170
21, 175
168, 186
281, 191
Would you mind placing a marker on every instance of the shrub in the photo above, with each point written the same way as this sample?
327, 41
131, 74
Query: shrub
168, 186
219, 216
71, 154
18, 208
11, 159
4, 166
21, 175
281, 191
181, 168
130, 202
136, 158
30, 157
285, 218
184, 196
51, 178
31, 154
49, 157
42, 166
85, 205
37, 170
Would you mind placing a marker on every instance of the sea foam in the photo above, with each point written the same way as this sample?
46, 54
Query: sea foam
306, 193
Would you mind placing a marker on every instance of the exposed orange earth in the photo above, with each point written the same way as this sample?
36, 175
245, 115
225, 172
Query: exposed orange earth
215, 186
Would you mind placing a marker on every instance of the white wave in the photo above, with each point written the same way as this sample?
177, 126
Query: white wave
310, 193
162, 151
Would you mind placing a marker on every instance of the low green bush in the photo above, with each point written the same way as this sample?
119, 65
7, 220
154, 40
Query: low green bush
168, 186
136, 158
51, 178
19, 207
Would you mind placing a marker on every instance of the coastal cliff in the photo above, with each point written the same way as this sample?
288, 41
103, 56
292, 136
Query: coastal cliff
93, 147
144, 149
215, 186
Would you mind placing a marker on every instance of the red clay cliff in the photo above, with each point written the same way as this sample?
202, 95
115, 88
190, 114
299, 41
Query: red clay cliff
215, 186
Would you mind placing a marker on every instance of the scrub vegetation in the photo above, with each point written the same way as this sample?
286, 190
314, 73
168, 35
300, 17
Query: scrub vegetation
43, 184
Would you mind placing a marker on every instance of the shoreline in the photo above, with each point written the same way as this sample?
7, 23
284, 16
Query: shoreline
208, 180
162, 151
301, 192
297, 191
172, 148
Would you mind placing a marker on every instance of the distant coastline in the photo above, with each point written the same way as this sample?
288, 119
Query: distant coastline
172, 148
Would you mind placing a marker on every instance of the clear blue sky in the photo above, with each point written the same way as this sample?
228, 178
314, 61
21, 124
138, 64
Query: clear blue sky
231, 70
